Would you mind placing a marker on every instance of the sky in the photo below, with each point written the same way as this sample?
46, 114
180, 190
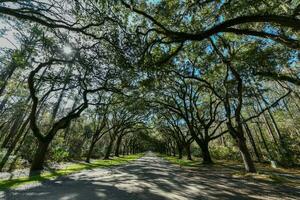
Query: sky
8, 39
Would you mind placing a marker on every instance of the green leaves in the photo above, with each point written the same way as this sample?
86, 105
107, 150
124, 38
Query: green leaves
18, 59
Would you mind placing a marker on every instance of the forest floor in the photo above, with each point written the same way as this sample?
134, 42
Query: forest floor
154, 178
266, 173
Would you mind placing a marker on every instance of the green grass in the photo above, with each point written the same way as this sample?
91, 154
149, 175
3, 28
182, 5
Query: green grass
13, 183
263, 177
235, 169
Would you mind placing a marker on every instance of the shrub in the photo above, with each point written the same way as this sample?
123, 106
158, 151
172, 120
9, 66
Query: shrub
222, 152
59, 154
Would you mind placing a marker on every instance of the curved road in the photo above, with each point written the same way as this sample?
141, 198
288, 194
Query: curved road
150, 178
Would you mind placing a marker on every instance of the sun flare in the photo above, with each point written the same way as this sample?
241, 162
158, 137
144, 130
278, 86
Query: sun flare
67, 50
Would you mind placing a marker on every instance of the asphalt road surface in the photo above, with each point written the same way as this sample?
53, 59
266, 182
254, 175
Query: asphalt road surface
150, 178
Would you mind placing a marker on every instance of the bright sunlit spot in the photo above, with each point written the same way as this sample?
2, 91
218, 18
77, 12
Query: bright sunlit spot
67, 50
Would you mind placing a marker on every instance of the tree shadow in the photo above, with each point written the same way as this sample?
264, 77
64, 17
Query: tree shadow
154, 179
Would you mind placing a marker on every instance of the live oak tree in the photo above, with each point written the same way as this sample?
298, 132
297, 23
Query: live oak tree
201, 74
199, 114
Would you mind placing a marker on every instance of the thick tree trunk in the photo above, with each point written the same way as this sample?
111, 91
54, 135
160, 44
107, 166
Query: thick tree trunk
173, 151
206, 154
109, 149
167, 150
133, 145
238, 135
39, 157
127, 148
118, 144
180, 149
88, 156
188, 151
248, 162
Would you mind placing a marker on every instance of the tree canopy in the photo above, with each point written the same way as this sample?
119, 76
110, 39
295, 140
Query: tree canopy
217, 79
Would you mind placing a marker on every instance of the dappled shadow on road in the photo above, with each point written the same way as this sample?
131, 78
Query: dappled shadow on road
154, 179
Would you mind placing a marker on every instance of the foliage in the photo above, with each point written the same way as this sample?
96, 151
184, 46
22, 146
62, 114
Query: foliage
217, 79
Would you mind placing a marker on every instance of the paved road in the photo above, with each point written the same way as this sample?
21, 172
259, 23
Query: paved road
150, 178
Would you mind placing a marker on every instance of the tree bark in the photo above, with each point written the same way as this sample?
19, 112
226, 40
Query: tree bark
180, 149
206, 154
118, 144
109, 149
39, 157
248, 162
188, 151
88, 156
264, 141
238, 135
252, 142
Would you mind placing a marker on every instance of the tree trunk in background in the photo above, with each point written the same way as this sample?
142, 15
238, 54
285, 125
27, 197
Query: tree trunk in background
264, 140
272, 119
67, 130
18, 149
269, 128
206, 154
238, 135
266, 121
3, 103
40, 156
109, 149
284, 148
16, 124
118, 144
123, 150
252, 142
14, 143
173, 150
223, 141
5, 77
127, 148
249, 165
188, 151
276, 128
287, 108
57, 105
180, 150
88, 156
2, 126
133, 147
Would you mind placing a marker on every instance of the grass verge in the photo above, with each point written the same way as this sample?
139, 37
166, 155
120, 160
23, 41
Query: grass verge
235, 169
181, 162
73, 168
